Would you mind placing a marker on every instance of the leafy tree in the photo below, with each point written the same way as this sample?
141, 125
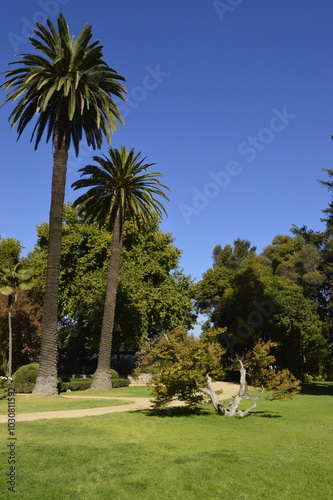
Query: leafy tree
153, 293
268, 298
151, 286
179, 363
327, 254
119, 189
10, 251
298, 259
182, 367
69, 86
25, 311
229, 291
13, 279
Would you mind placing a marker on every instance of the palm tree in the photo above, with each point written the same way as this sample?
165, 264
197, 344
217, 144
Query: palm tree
12, 279
70, 87
119, 189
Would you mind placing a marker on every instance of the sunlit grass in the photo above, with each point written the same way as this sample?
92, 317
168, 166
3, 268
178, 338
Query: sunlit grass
284, 450
134, 391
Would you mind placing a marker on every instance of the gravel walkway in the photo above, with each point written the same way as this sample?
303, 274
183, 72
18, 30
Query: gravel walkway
229, 390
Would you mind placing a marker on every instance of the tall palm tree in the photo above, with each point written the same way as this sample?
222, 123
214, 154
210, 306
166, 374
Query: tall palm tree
69, 86
119, 189
12, 279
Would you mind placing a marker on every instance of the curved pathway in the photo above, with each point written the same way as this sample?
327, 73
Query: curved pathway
229, 390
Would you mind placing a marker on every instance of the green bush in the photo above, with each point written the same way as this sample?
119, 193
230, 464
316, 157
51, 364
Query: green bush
24, 388
26, 374
120, 382
79, 384
114, 374
3, 393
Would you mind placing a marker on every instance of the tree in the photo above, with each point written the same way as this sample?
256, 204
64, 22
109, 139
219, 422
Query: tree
268, 297
153, 294
298, 258
179, 364
230, 291
13, 279
119, 189
327, 253
10, 251
69, 86
182, 367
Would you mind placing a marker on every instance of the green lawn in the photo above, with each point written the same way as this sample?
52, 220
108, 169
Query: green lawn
31, 403
284, 450
128, 392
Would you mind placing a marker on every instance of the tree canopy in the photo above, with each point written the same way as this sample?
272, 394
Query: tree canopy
154, 294
270, 297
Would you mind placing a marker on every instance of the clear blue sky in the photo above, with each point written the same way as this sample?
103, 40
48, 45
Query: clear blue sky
234, 107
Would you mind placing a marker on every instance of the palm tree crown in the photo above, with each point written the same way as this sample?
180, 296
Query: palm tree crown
119, 180
69, 86
14, 278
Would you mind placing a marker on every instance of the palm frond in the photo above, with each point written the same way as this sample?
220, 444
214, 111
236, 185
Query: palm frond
67, 77
118, 180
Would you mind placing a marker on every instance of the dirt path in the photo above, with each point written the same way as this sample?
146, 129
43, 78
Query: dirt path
229, 390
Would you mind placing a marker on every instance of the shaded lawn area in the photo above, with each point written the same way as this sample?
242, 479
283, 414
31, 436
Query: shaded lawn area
318, 388
281, 451
30, 403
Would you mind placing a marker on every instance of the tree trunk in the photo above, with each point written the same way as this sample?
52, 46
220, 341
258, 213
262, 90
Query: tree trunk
232, 410
10, 343
102, 379
47, 380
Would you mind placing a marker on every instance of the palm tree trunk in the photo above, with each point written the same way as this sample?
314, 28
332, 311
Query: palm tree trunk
102, 378
47, 380
10, 343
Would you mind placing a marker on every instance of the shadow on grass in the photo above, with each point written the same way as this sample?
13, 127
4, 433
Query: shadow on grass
317, 388
265, 414
176, 411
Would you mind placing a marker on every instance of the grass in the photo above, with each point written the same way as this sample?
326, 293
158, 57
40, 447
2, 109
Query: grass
30, 403
281, 451
134, 391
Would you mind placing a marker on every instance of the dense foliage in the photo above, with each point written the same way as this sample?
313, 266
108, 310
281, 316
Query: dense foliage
272, 297
183, 367
153, 293
179, 363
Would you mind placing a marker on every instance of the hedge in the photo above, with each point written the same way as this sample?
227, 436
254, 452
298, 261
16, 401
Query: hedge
26, 374
85, 383
24, 388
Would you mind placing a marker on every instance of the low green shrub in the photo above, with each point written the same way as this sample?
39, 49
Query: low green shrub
26, 374
3, 393
5, 381
114, 374
120, 382
79, 384
24, 388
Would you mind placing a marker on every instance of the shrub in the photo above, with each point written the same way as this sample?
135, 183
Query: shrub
24, 388
80, 384
26, 374
114, 374
120, 382
5, 381
3, 393
85, 383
